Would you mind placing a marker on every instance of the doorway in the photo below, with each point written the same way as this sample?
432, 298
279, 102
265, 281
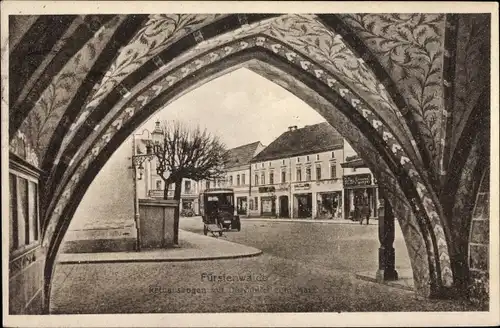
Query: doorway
284, 212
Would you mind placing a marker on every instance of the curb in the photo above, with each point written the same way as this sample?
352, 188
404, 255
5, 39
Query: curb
153, 260
387, 283
165, 255
306, 221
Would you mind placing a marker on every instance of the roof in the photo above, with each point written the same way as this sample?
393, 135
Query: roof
307, 140
242, 155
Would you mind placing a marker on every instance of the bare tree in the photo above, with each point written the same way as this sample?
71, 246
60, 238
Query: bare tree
187, 153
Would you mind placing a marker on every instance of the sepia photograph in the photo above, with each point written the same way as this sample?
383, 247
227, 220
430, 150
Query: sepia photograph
229, 163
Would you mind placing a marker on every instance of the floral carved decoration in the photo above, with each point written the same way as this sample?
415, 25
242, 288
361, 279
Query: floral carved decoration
178, 74
472, 69
158, 33
410, 47
43, 119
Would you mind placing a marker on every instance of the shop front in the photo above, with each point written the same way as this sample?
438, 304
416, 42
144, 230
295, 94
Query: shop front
359, 193
241, 205
329, 205
267, 202
303, 202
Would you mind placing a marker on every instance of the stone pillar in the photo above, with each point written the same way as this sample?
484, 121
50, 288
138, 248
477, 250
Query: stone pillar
386, 254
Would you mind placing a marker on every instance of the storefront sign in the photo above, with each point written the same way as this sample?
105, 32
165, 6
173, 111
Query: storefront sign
357, 180
266, 189
283, 187
302, 186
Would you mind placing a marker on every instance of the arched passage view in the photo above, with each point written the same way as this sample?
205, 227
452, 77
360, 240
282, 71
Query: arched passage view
400, 139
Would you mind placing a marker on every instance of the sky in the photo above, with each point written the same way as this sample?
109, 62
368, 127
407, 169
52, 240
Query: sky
240, 107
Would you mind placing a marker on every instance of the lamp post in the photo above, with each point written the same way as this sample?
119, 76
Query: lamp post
137, 164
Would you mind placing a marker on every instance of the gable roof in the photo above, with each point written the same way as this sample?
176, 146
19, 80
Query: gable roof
242, 155
307, 140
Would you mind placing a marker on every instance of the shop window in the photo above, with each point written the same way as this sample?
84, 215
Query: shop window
243, 179
238, 180
24, 235
14, 226
318, 172
308, 174
271, 177
298, 176
333, 171
256, 179
263, 178
24, 225
283, 176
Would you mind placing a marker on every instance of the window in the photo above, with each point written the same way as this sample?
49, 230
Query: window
14, 229
207, 184
187, 186
256, 203
218, 183
298, 175
307, 158
158, 184
308, 174
283, 162
238, 180
243, 182
250, 204
283, 176
298, 159
255, 165
256, 179
271, 177
333, 170
318, 172
317, 157
263, 178
262, 165
230, 180
333, 154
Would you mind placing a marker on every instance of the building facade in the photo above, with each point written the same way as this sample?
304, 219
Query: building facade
299, 174
238, 177
360, 186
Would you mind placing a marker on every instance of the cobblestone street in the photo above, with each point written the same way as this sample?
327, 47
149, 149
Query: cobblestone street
305, 267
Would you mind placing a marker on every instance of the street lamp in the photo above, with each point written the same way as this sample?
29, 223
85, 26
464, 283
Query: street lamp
137, 165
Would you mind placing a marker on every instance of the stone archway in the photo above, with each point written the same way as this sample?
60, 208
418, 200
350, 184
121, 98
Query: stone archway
358, 115
124, 67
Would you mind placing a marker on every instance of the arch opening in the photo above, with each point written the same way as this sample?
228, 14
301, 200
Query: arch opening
349, 122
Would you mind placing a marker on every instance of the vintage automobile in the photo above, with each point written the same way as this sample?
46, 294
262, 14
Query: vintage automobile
218, 211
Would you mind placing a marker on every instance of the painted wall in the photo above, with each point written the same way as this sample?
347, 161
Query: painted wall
109, 201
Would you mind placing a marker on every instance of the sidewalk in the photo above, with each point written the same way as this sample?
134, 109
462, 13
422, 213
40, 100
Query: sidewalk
405, 279
193, 247
373, 221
